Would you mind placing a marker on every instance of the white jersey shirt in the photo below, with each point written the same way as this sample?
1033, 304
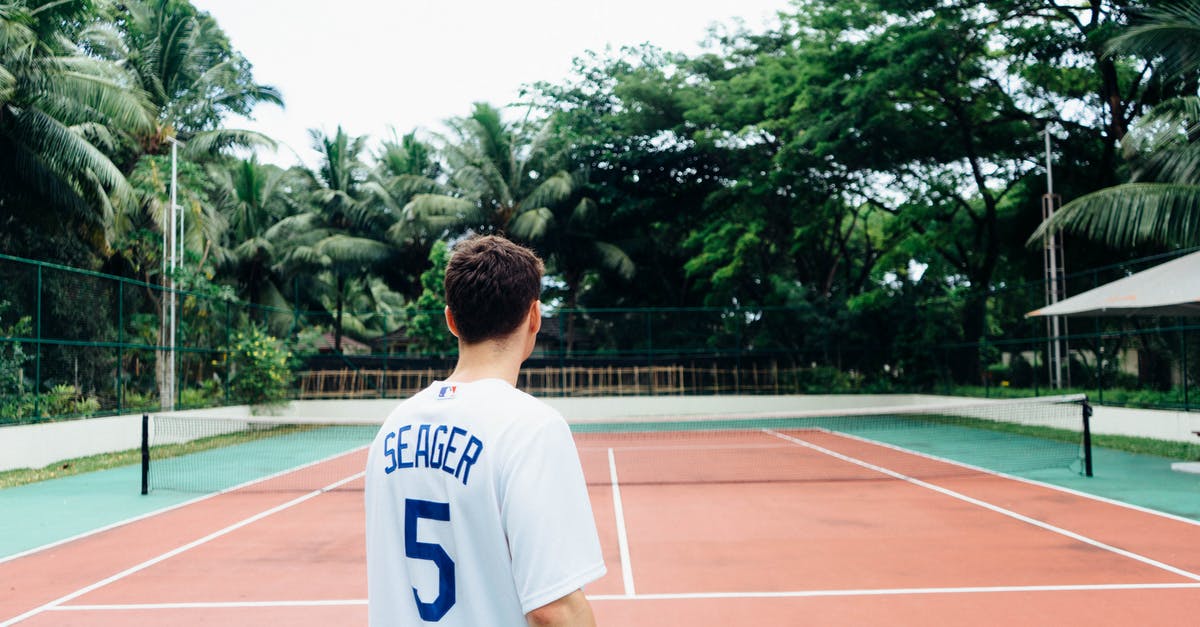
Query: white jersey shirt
477, 509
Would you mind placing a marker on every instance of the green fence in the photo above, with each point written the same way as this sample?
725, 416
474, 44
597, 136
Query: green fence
80, 343
75, 342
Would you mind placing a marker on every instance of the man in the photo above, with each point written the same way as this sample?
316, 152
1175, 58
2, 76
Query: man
477, 510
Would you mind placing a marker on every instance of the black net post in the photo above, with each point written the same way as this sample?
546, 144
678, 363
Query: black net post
1087, 439
145, 453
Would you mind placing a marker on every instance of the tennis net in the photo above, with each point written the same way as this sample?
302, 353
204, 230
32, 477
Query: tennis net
1020, 436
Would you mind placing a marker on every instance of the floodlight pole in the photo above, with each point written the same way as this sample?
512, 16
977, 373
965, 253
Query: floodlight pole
1055, 274
176, 225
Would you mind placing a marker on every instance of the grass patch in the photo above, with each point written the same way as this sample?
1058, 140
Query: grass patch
108, 461
77, 466
1147, 446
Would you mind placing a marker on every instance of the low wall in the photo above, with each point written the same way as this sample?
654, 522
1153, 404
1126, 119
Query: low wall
39, 445
35, 446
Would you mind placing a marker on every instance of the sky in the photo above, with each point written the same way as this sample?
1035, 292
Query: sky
377, 65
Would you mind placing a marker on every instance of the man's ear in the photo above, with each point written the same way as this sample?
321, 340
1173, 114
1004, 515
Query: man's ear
450, 323
535, 317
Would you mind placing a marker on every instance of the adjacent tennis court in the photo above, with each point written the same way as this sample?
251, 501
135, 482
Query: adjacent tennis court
905, 517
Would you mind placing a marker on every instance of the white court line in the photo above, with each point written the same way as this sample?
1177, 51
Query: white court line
888, 592
670, 596
176, 551
622, 538
1041, 484
126, 607
692, 447
204, 497
989, 506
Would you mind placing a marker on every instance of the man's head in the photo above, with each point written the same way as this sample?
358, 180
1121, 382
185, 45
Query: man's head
491, 286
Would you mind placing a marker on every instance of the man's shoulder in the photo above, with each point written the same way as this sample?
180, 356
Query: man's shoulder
490, 399
505, 399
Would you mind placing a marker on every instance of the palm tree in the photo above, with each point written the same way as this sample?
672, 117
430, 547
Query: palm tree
183, 63
571, 235
59, 112
406, 167
182, 60
253, 197
1161, 204
342, 236
501, 177
508, 177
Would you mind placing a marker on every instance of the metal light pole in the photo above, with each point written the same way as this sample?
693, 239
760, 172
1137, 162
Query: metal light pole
1055, 273
175, 245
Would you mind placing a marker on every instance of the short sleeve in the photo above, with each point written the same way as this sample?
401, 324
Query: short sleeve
548, 518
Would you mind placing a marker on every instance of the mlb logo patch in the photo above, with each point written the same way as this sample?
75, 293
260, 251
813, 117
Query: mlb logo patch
447, 392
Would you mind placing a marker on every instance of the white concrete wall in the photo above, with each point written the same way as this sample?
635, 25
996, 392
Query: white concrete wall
1160, 425
35, 446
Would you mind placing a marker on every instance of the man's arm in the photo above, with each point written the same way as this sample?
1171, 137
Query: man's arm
572, 610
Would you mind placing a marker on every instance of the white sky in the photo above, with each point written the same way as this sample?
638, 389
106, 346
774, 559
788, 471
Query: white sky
371, 65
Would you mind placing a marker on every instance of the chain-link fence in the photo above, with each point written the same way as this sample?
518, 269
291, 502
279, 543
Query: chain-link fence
79, 343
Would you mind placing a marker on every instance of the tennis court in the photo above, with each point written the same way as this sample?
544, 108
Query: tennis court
755, 519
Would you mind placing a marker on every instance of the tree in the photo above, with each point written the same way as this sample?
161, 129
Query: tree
192, 78
342, 235
640, 179
253, 198
1161, 203
500, 176
190, 72
426, 327
59, 111
405, 167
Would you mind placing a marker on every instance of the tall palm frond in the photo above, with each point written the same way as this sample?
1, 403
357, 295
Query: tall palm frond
1170, 32
1159, 143
53, 101
1132, 214
220, 141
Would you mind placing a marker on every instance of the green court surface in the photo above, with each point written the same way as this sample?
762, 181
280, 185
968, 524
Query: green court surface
51, 511
42, 513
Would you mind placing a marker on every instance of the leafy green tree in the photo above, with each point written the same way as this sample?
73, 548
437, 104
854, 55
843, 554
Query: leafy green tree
426, 326
640, 180
13, 357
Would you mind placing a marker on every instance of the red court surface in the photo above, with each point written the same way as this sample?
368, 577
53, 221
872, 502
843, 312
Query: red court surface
723, 531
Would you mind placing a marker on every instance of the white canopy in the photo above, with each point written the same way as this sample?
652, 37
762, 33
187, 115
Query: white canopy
1169, 289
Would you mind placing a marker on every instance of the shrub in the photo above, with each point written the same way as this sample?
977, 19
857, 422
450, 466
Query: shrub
207, 394
259, 370
66, 400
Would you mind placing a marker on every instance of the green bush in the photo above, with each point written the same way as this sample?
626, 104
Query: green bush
66, 400
426, 320
13, 358
207, 394
259, 367
134, 400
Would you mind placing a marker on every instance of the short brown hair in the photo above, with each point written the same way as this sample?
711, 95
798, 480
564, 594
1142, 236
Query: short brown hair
490, 284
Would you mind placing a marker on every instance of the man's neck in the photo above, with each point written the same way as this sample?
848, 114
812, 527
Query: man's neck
487, 360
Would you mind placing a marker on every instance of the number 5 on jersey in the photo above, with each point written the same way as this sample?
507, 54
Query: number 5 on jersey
414, 511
